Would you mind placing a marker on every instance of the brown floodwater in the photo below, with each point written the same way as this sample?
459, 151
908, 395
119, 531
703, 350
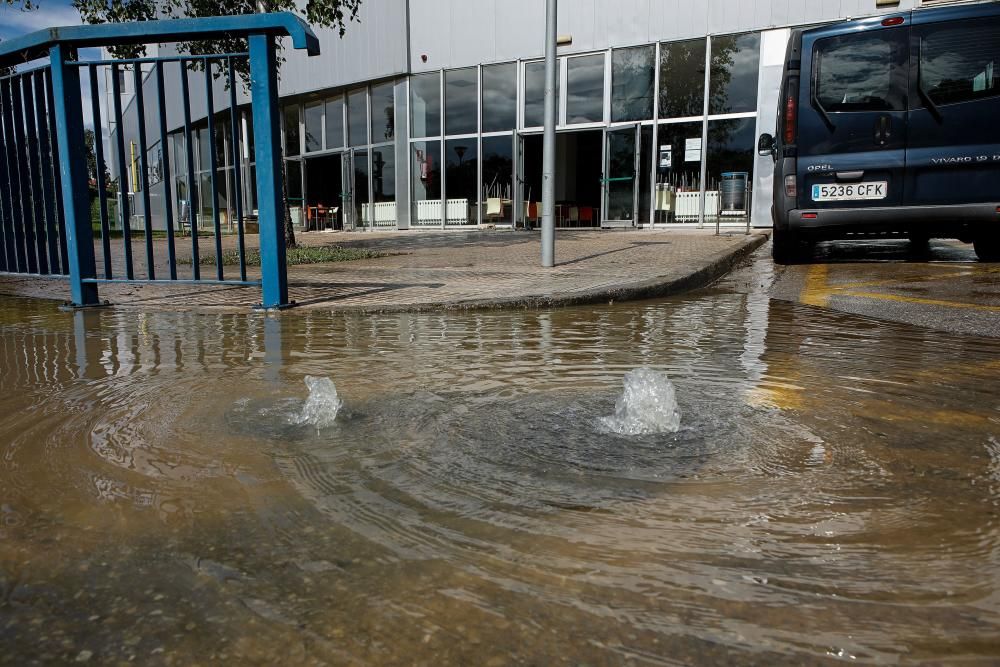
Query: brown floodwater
833, 493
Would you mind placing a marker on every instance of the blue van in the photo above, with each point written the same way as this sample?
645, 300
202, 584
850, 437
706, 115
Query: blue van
890, 125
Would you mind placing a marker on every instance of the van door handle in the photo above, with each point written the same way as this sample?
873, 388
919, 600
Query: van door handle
883, 130
850, 176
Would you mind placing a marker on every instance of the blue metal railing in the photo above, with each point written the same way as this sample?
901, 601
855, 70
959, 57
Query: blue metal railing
45, 194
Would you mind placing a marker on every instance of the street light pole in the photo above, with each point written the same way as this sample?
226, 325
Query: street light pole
549, 144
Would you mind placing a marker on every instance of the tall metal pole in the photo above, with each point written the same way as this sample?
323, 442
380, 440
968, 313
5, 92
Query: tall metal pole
549, 148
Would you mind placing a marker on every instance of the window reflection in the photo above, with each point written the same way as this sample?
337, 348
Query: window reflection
498, 180
585, 89
632, 74
425, 105
735, 70
425, 182
383, 113
462, 164
460, 101
357, 117
499, 97
682, 79
534, 93
291, 131
335, 123
314, 126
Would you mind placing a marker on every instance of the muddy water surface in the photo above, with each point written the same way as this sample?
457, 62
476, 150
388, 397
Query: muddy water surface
833, 492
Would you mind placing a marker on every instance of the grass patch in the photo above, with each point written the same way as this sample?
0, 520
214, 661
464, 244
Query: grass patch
294, 256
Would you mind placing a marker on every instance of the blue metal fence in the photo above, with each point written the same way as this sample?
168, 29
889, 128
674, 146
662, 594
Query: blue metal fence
45, 189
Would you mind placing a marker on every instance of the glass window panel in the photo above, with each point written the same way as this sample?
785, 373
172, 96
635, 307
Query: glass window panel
361, 188
293, 170
632, 79
735, 70
383, 113
425, 105
383, 174
460, 113
960, 62
335, 123
425, 176
498, 180
856, 72
682, 79
534, 93
314, 126
357, 117
585, 89
221, 136
292, 130
678, 157
499, 97
249, 139
645, 165
462, 163
204, 158
731, 156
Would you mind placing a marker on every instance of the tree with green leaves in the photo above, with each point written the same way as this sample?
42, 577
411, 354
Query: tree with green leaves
334, 14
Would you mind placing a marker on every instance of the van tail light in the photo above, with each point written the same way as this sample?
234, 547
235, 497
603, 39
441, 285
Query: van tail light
791, 111
791, 187
810, 216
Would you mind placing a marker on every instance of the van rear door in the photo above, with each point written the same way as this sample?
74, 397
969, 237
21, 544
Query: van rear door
953, 156
852, 120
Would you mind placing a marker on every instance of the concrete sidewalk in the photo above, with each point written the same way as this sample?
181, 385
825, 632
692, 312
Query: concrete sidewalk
452, 270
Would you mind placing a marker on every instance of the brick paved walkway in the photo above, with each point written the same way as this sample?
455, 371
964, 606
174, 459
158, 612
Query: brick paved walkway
448, 270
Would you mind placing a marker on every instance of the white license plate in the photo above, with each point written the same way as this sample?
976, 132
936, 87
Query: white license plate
850, 191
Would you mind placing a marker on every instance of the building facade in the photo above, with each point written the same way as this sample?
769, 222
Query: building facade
428, 114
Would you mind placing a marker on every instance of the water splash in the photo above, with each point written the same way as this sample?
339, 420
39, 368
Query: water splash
648, 405
323, 404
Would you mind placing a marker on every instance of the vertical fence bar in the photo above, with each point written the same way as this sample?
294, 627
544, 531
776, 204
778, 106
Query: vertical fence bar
267, 148
34, 171
234, 124
42, 111
213, 166
102, 187
147, 223
7, 231
168, 208
16, 238
27, 221
73, 165
192, 186
57, 174
125, 209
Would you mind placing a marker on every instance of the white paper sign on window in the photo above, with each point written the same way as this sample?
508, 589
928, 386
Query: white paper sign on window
692, 150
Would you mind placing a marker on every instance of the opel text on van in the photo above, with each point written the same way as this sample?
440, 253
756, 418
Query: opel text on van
891, 124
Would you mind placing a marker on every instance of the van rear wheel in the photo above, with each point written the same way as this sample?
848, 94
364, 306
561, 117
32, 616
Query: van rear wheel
786, 247
987, 247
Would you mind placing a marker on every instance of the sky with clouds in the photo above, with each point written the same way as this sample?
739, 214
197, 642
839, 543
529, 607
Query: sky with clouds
15, 22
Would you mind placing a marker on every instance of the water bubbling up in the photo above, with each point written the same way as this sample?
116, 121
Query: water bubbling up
647, 406
322, 406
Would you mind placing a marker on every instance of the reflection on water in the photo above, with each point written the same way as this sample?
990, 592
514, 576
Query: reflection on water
832, 491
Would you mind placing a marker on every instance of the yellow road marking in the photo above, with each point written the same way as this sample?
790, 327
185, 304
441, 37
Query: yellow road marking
922, 301
816, 292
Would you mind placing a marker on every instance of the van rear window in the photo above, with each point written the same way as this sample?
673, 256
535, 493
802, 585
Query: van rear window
960, 62
860, 72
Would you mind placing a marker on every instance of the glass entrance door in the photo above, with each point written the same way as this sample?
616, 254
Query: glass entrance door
621, 166
347, 213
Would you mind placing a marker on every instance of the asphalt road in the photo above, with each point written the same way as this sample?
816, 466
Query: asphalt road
945, 288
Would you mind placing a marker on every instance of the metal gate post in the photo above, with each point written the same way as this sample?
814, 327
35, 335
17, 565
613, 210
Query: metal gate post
267, 149
72, 162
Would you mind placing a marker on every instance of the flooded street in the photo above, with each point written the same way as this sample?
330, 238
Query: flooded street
832, 493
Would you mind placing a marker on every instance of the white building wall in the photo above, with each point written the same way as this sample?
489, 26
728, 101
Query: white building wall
456, 33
